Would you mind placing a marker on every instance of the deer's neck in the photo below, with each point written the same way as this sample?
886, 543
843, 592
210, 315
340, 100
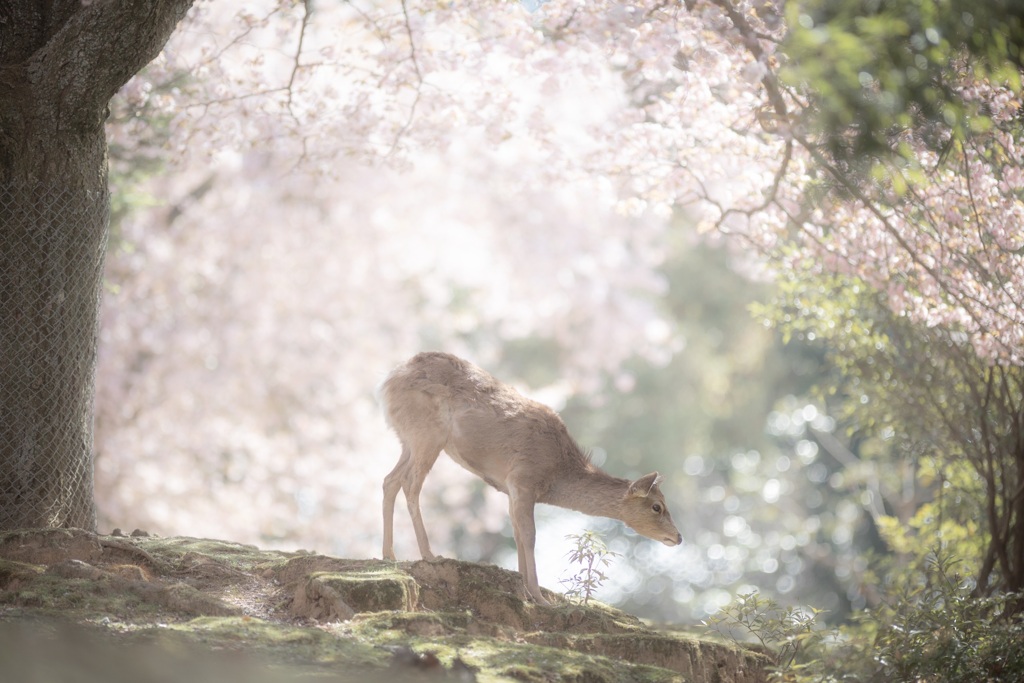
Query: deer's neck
590, 491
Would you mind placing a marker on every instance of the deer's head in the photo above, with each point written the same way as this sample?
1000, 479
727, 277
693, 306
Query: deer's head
644, 511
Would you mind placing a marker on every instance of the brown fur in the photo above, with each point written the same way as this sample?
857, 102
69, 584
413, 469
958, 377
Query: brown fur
436, 401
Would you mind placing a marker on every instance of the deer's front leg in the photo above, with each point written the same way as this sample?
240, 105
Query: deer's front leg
525, 531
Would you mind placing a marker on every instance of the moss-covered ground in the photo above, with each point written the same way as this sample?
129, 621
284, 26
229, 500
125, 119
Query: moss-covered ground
74, 605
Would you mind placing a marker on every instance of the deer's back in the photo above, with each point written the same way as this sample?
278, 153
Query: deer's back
438, 386
484, 424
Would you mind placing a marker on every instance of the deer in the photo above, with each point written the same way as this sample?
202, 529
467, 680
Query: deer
439, 402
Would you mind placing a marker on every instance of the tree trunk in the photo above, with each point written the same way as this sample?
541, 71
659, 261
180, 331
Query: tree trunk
60, 63
51, 256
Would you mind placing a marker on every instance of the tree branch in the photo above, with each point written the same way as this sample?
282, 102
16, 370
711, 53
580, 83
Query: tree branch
297, 64
100, 47
419, 81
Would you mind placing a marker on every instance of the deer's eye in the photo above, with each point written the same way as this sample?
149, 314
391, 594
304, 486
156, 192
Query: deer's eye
657, 508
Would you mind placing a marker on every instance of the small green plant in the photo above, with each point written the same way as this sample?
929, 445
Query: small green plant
784, 633
591, 554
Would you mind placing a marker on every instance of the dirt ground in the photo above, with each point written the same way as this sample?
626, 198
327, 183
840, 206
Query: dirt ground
78, 606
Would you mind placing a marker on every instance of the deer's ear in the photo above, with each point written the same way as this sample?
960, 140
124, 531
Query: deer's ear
642, 486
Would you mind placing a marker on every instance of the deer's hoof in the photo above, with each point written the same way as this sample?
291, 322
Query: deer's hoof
537, 597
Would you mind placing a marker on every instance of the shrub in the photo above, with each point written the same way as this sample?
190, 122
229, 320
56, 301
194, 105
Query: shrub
930, 628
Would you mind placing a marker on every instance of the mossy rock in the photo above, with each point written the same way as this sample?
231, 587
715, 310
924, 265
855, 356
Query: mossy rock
330, 595
298, 567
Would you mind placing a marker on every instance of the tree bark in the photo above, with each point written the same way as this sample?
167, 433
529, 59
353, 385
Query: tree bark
60, 63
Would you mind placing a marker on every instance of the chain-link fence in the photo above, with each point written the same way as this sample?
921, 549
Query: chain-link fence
52, 241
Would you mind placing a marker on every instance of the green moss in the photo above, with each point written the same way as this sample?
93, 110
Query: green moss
419, 623
497, 660
290, 643
11, 571
87, 597
176, 551
301, 653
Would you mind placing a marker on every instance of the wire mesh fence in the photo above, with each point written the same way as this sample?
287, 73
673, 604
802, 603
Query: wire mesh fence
52, 241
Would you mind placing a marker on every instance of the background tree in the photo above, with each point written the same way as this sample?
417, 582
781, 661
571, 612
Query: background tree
909, 264
878, 71
921, 399
60, 63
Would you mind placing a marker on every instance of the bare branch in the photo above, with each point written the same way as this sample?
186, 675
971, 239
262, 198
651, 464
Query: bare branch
419, 81
297, 63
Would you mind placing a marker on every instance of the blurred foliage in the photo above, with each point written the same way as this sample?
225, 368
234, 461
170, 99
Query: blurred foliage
759, 505
877, 69
937, 430
787, 633
137, 151
712, 396
813, 450
931, 627
929, 438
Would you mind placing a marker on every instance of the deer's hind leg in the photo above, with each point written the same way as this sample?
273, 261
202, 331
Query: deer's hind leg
422, 425
423, 458
392, 483
408, 475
